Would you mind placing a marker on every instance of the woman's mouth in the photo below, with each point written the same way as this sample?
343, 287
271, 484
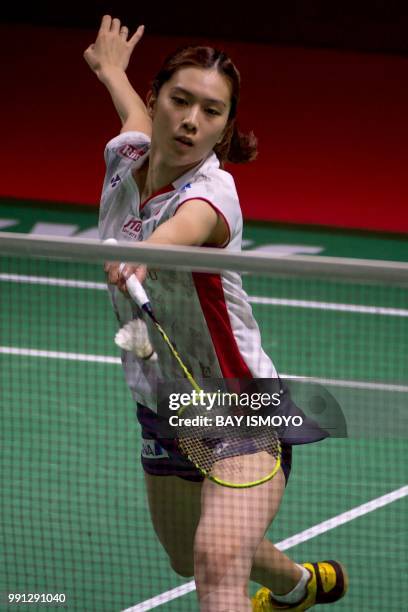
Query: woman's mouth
184, 140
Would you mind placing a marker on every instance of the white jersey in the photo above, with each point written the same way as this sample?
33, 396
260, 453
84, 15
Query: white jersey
207, 316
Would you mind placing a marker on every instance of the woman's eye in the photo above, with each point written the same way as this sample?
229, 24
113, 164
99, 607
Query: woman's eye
212, 111
179, 101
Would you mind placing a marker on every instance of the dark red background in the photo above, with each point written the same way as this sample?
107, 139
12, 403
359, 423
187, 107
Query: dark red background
332, 126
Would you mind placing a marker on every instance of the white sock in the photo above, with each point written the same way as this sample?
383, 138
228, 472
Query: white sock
298, 592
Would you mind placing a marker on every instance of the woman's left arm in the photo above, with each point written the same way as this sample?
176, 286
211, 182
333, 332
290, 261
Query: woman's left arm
194, 224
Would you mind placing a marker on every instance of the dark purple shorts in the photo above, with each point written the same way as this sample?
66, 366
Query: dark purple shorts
161, 457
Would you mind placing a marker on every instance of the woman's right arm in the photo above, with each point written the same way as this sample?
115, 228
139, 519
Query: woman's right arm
108, 58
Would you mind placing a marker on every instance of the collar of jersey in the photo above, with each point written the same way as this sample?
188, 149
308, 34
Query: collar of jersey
209, 162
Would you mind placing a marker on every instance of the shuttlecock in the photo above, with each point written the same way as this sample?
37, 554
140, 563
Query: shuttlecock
134, 337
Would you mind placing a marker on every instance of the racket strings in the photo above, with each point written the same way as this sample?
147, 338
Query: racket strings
232, 445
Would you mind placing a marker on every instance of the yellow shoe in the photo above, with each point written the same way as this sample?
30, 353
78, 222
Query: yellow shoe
328, 583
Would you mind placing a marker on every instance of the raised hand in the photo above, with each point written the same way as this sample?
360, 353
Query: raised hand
112, 48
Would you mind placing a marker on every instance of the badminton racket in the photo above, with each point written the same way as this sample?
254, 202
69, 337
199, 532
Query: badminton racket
231, 455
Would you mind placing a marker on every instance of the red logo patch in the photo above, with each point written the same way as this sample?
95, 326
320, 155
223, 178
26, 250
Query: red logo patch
132, 152
132, 227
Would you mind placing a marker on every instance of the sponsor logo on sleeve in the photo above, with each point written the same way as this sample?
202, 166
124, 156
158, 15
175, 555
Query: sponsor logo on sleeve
132, 228
115, 180
132, 152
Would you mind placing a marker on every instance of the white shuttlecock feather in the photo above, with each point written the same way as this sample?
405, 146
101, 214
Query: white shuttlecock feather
134, 337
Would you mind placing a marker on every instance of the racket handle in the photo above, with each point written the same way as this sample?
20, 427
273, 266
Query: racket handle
134, 286
136, 291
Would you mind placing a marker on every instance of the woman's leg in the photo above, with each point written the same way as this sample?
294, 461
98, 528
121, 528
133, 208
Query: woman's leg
176, 526
228, 540
273, 569
175, 506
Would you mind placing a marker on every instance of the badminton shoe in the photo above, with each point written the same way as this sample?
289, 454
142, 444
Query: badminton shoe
328, 583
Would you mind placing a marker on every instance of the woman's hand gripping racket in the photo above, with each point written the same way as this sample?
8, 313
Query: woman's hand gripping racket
231, 455
134, 336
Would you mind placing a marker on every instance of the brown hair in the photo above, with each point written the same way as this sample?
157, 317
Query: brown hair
235, 146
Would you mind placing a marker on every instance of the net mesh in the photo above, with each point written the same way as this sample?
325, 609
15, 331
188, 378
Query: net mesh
74, 511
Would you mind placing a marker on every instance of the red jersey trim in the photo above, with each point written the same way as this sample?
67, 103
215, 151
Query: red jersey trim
218, 211
164, 189
212, 300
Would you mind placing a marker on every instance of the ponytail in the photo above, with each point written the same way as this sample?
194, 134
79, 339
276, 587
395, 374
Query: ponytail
237, 147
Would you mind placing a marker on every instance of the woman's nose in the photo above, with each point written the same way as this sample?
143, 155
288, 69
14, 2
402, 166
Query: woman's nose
190, 121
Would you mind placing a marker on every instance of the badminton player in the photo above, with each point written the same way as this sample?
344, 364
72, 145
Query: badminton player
166, 184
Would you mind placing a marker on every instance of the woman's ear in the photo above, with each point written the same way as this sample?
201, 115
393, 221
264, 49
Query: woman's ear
150, 103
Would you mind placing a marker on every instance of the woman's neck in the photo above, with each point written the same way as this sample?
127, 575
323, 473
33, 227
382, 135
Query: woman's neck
156, 174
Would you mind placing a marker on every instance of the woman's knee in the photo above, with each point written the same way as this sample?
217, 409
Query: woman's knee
221, 575
183, 566
214, 556
175, 511
180, 554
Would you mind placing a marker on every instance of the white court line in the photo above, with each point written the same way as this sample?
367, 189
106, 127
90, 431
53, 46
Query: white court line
337, 307
359, 308
352, 384
53, 282
298, 538
29, 352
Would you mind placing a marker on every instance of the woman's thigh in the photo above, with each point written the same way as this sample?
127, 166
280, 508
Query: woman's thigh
175, 508
233, 523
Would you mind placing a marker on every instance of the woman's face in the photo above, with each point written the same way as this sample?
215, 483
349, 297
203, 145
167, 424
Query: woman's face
190, 114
